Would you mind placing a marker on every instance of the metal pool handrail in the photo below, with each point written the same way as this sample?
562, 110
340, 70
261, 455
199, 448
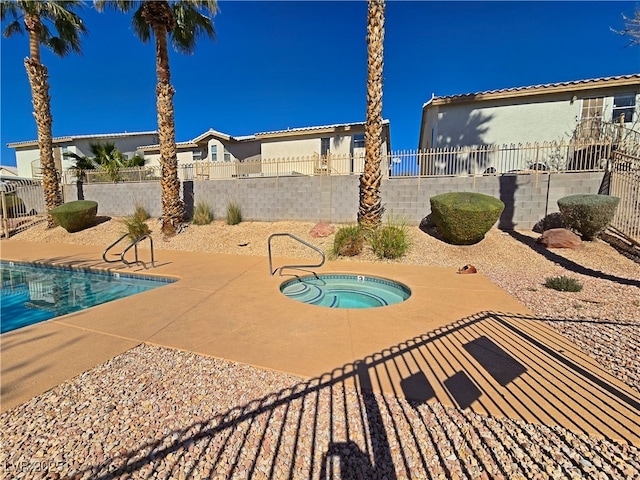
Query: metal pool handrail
104, 254
133, 244
272, 272
135, 249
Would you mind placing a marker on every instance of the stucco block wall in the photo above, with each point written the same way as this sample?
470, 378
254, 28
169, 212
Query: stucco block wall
527, 198
524, 196
286, 198
120, 199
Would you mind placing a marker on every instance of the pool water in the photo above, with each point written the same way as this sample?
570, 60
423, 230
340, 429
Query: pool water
345, 291
34, 293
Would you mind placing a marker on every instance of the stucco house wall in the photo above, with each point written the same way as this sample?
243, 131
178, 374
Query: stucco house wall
290, 147
28, 154
541, 113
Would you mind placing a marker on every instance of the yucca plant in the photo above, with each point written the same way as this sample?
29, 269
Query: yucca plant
348, 241
563, 284
136, 227
391, 240
141, 213
202, 214
234, 213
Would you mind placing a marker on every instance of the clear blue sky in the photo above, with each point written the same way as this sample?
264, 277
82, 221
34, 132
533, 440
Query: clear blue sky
294, 64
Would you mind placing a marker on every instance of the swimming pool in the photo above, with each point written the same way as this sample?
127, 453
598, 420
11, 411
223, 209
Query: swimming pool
345, 291
34, 293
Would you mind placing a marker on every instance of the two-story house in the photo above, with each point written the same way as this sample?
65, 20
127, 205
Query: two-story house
28, 154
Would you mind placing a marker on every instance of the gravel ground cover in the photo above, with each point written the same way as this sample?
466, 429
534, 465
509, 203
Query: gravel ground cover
158, 413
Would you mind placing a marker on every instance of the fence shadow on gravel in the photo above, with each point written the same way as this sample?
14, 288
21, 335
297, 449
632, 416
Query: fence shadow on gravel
459, 381
570, 264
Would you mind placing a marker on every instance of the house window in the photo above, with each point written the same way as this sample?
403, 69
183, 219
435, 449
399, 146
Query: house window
324, 146
623, 105
358, 140
214, 153
197, 155
227, 155
592, 108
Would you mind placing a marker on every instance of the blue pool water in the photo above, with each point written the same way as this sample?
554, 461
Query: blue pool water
34, 293
345, 291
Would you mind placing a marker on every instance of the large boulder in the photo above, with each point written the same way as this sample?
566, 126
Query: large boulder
322, 230
560, 238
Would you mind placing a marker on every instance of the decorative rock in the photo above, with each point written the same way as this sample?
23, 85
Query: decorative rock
468, 269
560, 238
322, 230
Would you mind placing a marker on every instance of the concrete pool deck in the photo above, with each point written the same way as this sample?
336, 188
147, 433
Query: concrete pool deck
459, 339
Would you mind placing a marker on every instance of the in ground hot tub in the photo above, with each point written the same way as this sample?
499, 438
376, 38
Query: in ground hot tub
345, 291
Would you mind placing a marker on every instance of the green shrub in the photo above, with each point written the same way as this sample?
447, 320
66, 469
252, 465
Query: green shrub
136, 227
563, 284
75, 216
141, 213
589, 215
234, 214
463, 218
348, 241
391, 240
202, 214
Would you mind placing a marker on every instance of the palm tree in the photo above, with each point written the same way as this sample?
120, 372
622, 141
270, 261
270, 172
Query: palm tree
370, 208
107, 158
35, 15
184, 22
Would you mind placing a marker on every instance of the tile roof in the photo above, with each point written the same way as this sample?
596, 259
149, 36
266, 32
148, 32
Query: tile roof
70, 138
314, 128
539, 89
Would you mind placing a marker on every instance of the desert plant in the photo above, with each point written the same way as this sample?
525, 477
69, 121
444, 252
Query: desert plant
202, 214
234, 214
563, 284
141, 213
463, 218
589, 215
390, 240
75, 216
348, 241
136, 227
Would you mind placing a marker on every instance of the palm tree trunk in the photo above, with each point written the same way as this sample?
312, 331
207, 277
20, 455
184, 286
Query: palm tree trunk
172, 204
38, 78
173, 211
370, 209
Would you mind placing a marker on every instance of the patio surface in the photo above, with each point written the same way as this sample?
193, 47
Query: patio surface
459, 339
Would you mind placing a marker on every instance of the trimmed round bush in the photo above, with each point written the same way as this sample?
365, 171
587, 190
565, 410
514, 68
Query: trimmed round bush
463, 218
588, 214
75, 216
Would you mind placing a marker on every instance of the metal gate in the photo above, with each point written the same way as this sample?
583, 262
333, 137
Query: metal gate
625, 184
22, 204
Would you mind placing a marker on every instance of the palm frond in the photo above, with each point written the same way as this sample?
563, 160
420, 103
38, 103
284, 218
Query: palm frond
191, 24
141, 28
12, 28
57, 14
123, 6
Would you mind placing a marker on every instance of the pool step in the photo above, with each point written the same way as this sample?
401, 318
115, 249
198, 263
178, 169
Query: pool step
304, 292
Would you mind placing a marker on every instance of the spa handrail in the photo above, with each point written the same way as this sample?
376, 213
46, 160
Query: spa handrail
272, 272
